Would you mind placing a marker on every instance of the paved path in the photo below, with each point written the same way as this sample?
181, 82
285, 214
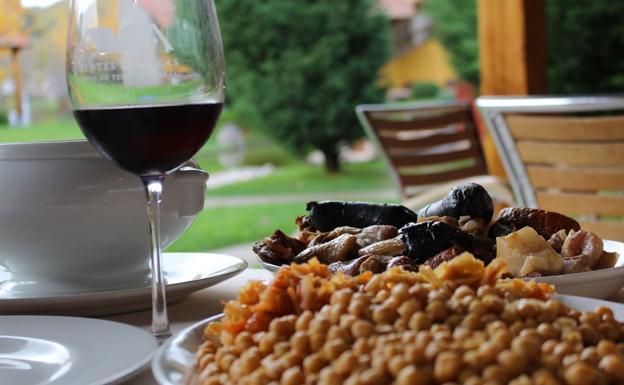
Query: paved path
248, 200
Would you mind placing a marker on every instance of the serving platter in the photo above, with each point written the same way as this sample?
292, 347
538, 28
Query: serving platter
600, 284
173, 363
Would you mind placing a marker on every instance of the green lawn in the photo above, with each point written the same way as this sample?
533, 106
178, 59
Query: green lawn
305, 178
219, 227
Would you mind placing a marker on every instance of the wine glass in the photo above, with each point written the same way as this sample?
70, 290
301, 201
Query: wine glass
146, 81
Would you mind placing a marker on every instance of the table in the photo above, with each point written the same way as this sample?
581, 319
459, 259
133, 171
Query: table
197, 306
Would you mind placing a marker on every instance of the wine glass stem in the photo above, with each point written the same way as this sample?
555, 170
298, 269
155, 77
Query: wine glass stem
160, 322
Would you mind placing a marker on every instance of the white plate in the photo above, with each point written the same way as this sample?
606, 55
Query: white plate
173, 363
185, 273
48, 350
594, 284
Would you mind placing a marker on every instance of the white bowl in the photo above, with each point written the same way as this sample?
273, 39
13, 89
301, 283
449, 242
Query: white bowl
594, 284
67, 214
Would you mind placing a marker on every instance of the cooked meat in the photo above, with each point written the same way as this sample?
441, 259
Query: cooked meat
278, 249
336, 250
578, 264
348, 267
303, 223
469, 199
426, 239
444, 256
375, 264
607, 260
448, 220
335, 233
377, 233
557, 239
473, 226
404, 262
546, 223
328, 215
583, 243
392, 247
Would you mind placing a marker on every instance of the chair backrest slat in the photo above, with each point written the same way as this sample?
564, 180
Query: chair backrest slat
576, 179
580, 204
425, 143
411, 159
572, 128
577, 153
439, 177
564, 155
419, 121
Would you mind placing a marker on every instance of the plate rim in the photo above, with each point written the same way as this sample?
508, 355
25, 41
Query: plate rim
114, 378
239, 267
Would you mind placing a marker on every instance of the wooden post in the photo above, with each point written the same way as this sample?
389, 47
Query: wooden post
17, 78
512, 53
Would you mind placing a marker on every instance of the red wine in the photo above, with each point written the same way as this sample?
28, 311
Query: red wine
149, 140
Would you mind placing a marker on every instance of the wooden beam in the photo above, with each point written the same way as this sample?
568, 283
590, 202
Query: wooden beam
512, 53
17, 78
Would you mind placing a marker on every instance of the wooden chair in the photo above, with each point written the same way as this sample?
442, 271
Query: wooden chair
564, 155
430, 146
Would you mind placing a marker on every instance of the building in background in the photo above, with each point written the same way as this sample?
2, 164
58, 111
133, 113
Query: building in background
417, 57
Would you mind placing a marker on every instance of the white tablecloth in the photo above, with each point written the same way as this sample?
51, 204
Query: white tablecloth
199, 305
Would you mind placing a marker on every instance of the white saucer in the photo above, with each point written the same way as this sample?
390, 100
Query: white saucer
47, 350
184, 273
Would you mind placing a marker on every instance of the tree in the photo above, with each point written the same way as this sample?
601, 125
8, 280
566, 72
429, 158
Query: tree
582, 39
296, 69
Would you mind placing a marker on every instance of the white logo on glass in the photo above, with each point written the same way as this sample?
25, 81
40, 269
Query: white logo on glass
137, 43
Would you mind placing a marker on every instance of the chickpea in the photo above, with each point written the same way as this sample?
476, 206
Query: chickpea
362, 328
396, 364
381, 295
300, 342
384, 314
336, 331
544, 377
400, 291
281, 348
414, 355
608, 331
526, 346
420, 321
341, 297
613, 366
436, 310
605, 347
484, 290
409, 307
373, 376
548, 331
512, 362
304, 320
284, 326
581, 373
446, 367
291, 376
463, 291
409, 375
267, 342
346, 363
495, 373
313, 363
